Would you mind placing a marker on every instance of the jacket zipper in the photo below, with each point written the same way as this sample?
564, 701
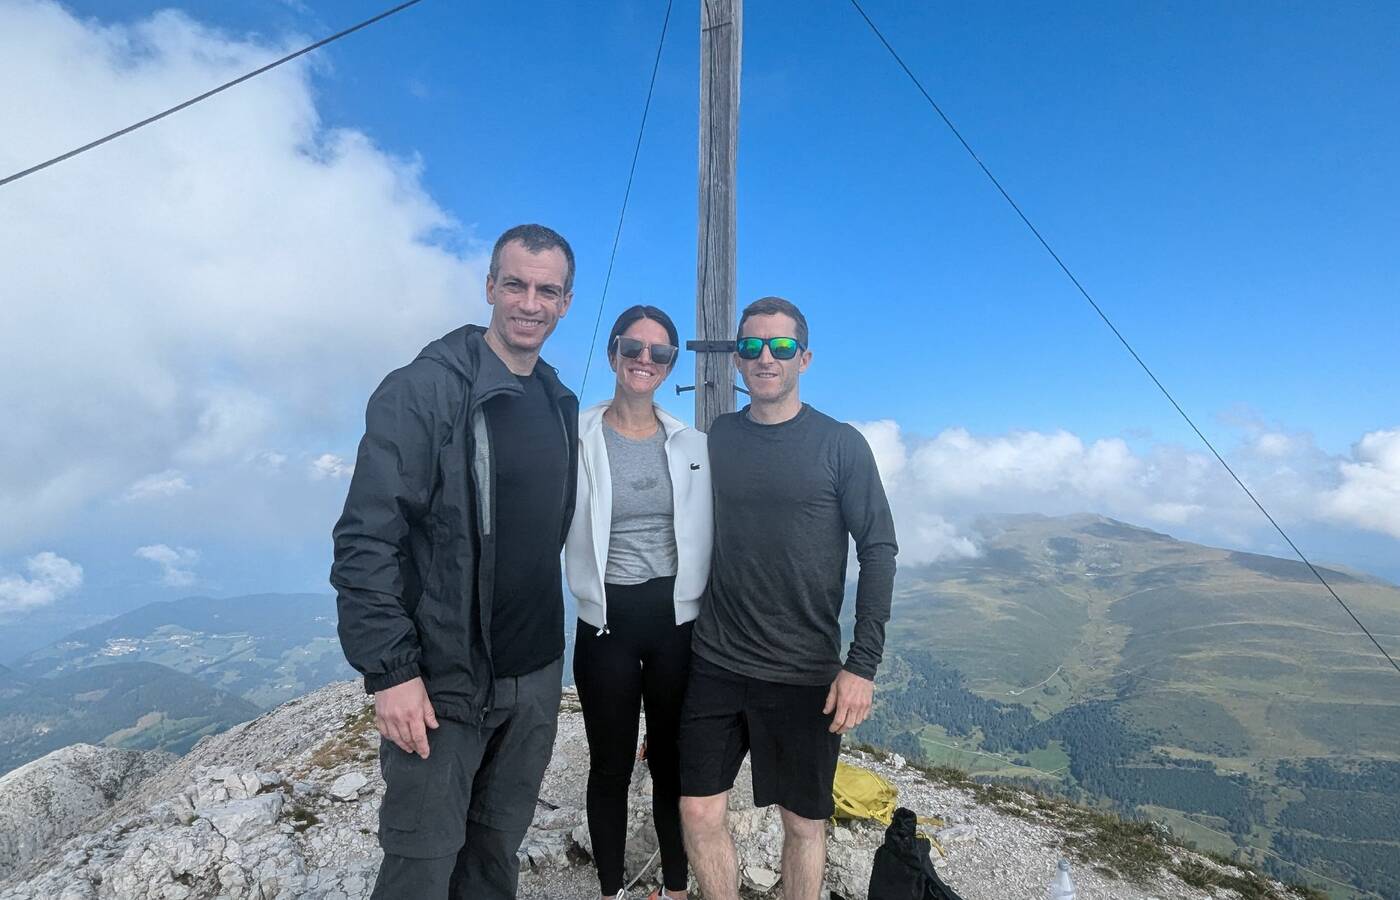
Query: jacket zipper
472, 410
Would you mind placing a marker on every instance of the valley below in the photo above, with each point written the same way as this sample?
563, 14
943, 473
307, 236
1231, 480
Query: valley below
1222, 694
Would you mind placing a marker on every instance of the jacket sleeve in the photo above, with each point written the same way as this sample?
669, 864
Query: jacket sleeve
388, 495
578, 543
868, 518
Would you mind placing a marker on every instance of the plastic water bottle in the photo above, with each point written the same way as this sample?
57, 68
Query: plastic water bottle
1061, 887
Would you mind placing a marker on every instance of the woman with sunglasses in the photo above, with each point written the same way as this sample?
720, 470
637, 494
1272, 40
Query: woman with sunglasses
637, 559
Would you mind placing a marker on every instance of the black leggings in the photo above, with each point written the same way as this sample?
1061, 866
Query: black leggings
644, 655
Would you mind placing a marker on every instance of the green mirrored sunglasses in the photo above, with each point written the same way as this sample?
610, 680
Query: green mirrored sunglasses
780, 347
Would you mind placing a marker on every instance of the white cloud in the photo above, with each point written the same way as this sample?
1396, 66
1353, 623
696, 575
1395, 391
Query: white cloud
1274, 444
176, 563
158, 484
938, 486
50, 577
328, 465
1369, 495
233, 278
269, 460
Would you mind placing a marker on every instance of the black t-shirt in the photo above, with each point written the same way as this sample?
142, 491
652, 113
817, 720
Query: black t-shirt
531, 463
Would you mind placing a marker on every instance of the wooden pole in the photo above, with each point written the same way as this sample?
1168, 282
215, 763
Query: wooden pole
721, 47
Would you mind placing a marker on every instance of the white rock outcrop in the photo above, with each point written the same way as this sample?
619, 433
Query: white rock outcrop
286, 807
51, 798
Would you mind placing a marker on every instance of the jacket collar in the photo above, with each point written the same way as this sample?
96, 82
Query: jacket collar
591, 419
466, 352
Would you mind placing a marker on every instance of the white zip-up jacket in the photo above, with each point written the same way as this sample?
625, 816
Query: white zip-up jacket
586, 548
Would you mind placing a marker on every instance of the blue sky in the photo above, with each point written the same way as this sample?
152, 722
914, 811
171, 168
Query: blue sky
1221, 177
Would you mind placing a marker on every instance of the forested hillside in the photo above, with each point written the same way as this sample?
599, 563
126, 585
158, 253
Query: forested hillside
140, 706
1210, 690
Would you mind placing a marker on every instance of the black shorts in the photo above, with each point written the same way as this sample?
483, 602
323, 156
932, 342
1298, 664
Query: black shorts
781, 726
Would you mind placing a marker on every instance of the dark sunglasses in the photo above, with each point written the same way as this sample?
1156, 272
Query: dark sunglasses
661, 354
780, 347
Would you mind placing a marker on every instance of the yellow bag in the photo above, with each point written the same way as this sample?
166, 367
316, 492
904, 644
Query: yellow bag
861, 794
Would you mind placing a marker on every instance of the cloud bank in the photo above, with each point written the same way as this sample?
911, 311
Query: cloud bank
938, 485
176, 563
1369, 493
202, 297
50, 578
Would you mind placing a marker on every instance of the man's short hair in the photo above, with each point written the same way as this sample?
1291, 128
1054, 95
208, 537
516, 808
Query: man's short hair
536, 239
771, 306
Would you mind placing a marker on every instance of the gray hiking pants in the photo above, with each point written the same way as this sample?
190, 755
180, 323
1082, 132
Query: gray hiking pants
450, 824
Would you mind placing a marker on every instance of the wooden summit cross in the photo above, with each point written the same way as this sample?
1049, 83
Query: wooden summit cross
721, 46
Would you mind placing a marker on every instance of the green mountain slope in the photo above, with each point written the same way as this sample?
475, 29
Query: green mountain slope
1059, 611
267, 648
134, 705
1222, 692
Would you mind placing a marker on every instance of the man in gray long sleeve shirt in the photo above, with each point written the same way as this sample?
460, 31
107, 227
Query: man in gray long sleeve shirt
791, 486
788, 498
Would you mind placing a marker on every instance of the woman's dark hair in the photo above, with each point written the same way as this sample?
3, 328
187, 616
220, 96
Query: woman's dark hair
637, 313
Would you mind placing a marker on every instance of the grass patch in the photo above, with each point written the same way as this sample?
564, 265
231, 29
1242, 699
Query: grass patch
1248, 885
303, 818
953, 777
1132, 850
356, 741
1012, 802
878, 753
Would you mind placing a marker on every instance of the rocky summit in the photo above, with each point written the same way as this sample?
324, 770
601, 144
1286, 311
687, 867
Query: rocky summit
285, 806
52, 797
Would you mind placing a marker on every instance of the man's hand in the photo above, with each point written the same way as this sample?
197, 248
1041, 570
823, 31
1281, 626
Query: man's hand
403, 714
850, 697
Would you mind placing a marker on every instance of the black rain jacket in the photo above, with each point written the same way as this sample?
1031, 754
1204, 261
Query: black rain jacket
414, 568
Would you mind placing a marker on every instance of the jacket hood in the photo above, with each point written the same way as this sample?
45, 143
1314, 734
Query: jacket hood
591, 419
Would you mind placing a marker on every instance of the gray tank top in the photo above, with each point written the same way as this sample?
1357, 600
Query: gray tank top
642, 544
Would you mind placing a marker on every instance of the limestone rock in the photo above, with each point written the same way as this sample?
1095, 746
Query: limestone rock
244, 819
760, 879
48, 799
348, 786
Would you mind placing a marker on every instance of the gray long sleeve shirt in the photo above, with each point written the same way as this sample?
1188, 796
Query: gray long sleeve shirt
788, 498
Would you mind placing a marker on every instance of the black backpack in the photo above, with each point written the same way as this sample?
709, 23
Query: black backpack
903, 870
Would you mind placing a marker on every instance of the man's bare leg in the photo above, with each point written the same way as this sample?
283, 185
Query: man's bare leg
710, 847
804, 857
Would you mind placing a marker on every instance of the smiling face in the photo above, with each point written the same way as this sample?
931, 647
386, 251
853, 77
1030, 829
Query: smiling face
772, 382
527, 298
640, 377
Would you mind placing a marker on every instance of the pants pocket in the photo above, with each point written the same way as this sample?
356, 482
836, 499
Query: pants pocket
406, 777
424, 812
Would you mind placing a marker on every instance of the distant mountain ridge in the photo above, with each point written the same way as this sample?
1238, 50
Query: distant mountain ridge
133, 705
173, 671
266, 648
